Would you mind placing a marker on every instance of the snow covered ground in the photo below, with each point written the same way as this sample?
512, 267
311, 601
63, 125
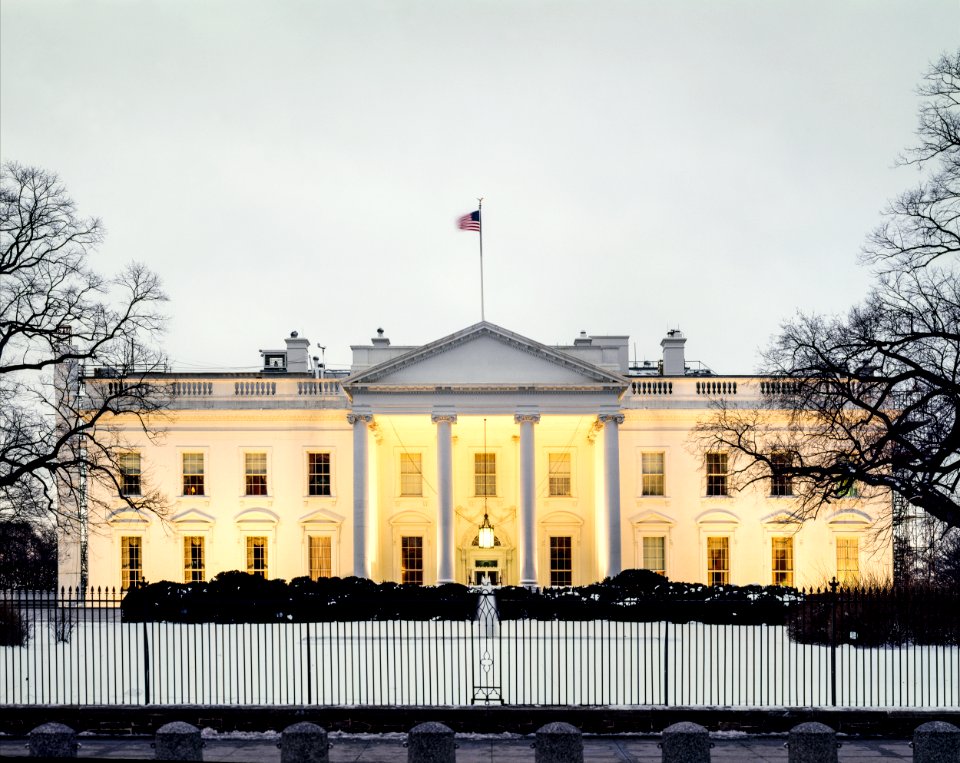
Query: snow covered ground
458, 662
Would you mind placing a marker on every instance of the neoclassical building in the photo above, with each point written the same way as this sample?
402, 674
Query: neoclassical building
483, 453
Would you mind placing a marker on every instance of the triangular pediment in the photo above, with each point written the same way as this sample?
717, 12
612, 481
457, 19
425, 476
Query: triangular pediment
485, 355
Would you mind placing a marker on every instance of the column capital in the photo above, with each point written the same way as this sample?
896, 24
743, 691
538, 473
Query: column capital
363, 418
610, 418
449, 418
519, 418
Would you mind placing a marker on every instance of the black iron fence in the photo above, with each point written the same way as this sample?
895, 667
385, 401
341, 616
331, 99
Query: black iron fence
845, 648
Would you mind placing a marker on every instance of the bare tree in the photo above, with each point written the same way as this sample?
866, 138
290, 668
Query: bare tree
870, 400
60, 321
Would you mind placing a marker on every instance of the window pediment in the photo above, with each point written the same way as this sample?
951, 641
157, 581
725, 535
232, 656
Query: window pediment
256, 519
849, 519
651, 517
127, 517
193, 519
719, 518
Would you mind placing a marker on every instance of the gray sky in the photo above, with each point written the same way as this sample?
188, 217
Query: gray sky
712, 166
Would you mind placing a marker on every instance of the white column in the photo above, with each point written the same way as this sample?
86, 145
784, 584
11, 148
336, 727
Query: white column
528, 536
611, 473
445, 539
361, 529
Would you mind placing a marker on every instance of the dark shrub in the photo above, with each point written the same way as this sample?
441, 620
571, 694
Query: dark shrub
13, 629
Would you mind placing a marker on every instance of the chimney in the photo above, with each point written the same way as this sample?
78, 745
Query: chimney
674, 363
298, 354
380, 340
583, 339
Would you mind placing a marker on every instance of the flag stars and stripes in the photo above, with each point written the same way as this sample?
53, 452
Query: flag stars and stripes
470, 221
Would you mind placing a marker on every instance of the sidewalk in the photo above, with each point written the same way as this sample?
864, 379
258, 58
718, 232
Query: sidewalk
388, 748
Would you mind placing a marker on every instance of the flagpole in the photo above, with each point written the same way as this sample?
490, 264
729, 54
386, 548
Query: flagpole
480, 220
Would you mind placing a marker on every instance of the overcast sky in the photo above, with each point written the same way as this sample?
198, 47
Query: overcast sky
712, 166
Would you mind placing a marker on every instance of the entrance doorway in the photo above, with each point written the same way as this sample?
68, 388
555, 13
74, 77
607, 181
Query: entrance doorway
489, 568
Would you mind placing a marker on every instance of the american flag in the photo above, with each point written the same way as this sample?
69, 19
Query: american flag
470, 221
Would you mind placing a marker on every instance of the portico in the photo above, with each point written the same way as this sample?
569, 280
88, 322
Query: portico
485, 422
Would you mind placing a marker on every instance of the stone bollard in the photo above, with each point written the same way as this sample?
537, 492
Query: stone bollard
178, 741
304, 742
431, 743
685, 743
936, 742
53, 740
559, 743
812, 743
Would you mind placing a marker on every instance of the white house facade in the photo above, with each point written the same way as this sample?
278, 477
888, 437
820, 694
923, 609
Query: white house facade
581, 464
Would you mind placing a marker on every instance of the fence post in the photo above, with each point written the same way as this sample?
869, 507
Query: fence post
146, 666
309, 669
834, 584
666, 664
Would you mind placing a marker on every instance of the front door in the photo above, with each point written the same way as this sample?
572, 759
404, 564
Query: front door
489, 568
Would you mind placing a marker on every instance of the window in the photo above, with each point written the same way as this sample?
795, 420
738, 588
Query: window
193, 474
782, 561
781, 484
257, 556
559, 474
411, 474
318, 473
848, 561
718, 560
848, 488
194, 567
255, 473
651, 467
561, 560
411, 559
131, 561
129, 464
716, 474
654, 556
321, 558
485, 473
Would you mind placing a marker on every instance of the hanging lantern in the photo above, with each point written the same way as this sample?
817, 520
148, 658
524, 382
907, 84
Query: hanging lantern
485, 533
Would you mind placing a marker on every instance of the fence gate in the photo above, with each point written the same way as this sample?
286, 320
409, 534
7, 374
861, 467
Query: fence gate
486, 655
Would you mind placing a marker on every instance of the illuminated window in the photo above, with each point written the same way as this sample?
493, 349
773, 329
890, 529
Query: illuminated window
848, 488
782, 561
651, 467
485, 473
781, 484
718, 560
848, 561
129, 464
321, 557
411, 474
716, 474
561, 560
654, 556
411, 559
257, 556
194, 565
131, 561
318, 473
560, 474
193, 474
255, 473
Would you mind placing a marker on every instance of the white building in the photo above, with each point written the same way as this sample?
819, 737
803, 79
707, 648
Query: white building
583, 465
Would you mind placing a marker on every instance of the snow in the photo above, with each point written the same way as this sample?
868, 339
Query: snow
522, 662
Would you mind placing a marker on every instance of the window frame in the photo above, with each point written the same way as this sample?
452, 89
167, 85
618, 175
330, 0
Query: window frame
726, 572
556, 553
789, 571
311, 452
843, 572
250, 561
662, 474
202, 474
125, 475
321, 536
190, 569
260, 489
781, 485
487, 476
553, 474
127, 581
411, 458
717, 482
662, 537
407, 550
